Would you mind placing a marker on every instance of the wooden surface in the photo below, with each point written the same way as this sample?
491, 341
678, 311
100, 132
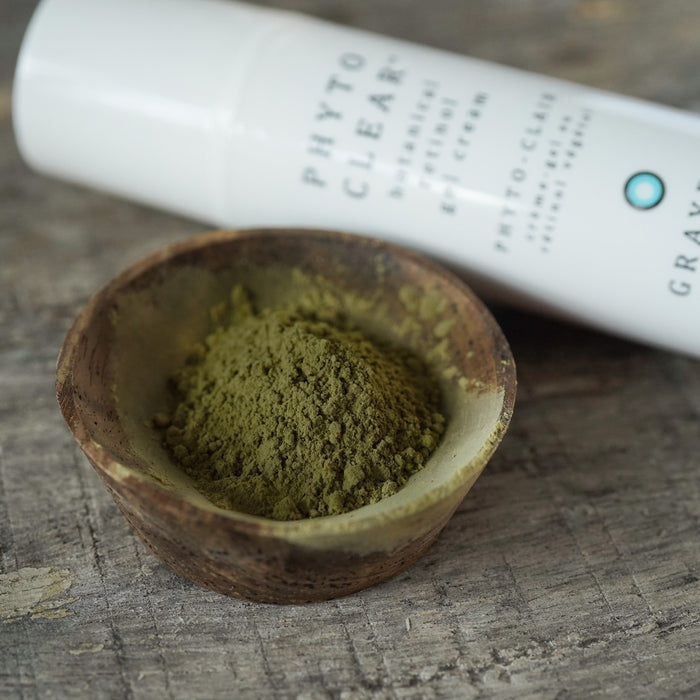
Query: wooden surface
570, 571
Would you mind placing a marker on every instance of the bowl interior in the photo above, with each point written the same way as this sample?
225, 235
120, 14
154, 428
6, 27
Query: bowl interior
138, 331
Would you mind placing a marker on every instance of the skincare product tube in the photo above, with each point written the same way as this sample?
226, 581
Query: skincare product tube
555, 197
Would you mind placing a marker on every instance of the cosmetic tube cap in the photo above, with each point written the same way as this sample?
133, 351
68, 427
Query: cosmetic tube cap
136, 97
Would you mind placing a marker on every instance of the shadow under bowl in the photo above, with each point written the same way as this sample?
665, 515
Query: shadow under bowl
138, 330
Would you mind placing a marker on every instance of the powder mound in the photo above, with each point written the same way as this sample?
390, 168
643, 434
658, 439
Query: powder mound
285, 415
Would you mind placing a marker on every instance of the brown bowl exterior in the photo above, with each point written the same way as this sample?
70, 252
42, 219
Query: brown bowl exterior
244, 556
253, 565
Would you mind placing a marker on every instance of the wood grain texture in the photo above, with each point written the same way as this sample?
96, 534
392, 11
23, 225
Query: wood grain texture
571, 570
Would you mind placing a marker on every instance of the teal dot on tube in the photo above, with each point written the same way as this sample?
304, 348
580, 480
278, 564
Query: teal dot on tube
644, 190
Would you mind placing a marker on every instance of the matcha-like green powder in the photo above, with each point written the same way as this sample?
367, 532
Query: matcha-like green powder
285, 414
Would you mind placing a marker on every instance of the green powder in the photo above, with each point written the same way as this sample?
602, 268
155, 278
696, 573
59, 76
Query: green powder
286, 414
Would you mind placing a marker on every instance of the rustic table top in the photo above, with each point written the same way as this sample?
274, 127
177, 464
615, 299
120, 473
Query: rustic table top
572, 568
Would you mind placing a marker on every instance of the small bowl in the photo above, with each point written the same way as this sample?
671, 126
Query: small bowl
133, 334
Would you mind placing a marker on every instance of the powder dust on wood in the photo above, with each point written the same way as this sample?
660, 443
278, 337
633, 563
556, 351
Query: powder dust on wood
287, 415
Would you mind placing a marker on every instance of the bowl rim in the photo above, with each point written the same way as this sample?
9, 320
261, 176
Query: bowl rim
123, 477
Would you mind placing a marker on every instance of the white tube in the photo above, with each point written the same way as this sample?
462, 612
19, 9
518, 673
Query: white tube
555, 197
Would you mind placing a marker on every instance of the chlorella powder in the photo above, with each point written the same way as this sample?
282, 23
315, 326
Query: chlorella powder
282, 414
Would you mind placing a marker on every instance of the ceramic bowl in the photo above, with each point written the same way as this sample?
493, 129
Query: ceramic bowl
133, 334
